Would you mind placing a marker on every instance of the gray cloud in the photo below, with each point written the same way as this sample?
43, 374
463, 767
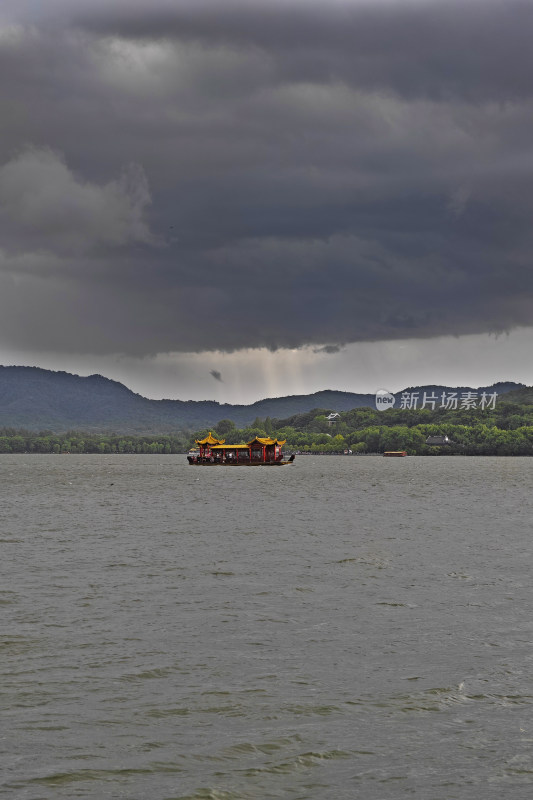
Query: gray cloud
426, 48
44, 206
216, 375
299, 173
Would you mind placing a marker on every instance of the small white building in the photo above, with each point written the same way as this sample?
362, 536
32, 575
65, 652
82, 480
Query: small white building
333, 418
438, 441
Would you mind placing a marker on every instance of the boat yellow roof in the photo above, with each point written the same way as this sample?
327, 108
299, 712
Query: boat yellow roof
209, 439
230, 447
266, 441
221, 443
257, 440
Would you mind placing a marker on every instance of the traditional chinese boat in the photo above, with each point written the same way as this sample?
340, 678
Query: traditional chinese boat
395, 453
260, 452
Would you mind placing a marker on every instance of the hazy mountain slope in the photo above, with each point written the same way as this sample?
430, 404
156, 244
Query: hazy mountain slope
39, 399
522, 396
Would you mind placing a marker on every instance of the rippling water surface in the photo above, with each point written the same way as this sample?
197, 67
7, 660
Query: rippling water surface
339, 628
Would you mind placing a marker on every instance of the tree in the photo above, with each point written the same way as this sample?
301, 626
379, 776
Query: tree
338, 442
18, 445
225, 426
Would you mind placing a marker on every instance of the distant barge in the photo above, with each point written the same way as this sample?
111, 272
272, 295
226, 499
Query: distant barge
395, 453
260, 452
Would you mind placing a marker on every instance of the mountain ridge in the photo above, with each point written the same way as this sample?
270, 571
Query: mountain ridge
39, 399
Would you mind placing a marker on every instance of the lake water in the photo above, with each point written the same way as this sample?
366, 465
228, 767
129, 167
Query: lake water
339, 628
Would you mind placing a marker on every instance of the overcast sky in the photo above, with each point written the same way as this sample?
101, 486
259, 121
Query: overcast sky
234, 198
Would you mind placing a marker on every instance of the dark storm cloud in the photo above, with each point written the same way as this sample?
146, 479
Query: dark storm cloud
190, 176
44, 205
418, 47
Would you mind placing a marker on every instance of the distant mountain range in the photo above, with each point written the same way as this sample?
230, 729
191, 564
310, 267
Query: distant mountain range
39, 399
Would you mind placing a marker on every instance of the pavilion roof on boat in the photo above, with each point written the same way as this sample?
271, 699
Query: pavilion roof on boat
210, 439
266, 441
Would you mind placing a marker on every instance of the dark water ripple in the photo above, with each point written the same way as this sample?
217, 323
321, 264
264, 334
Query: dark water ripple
341, 628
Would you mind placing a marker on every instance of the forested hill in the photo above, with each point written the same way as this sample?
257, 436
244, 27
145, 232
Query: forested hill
39, 399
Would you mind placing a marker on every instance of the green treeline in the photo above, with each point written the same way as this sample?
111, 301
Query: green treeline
505, 430
13, 441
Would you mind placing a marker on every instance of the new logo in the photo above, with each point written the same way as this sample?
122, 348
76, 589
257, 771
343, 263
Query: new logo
384, 400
